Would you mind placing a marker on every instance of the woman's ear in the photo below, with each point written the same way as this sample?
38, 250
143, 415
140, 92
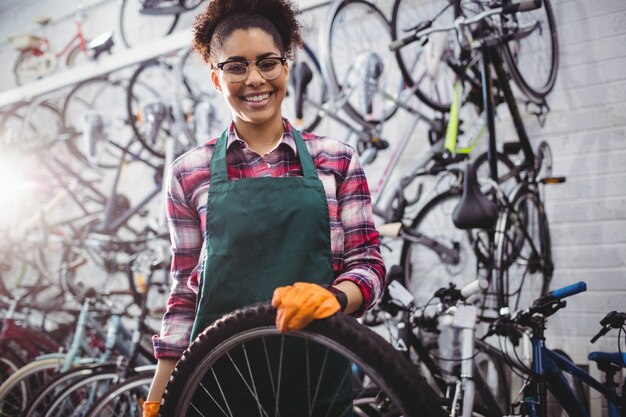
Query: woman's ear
215, 79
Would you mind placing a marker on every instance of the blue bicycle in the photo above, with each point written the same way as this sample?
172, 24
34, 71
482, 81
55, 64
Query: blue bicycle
547, 376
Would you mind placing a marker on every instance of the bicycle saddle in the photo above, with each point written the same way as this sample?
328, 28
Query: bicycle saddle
100, 44
475, 210
616, 358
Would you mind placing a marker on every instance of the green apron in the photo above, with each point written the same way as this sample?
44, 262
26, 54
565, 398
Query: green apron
263, 233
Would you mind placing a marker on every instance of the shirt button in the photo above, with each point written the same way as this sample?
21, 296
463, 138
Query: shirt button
268, 165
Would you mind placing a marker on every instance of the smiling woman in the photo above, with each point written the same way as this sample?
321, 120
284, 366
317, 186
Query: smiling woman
263, 212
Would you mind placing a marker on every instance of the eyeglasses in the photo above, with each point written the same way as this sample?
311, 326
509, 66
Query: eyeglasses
236, 71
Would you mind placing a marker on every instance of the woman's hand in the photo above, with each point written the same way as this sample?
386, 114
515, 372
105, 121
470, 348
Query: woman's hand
151, 408
301, 303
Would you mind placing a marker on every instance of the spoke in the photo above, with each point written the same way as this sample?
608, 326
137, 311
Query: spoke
267, 360
308, 376
319, 380
219, 386
256, 395
252, 392
343, 380
280, 372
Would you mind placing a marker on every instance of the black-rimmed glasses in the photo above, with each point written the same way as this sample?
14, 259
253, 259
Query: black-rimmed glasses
236, 71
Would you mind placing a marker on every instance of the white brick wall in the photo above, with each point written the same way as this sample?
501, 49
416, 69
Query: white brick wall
587, 131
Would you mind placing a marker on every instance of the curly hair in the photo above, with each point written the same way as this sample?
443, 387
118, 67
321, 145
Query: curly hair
222, 17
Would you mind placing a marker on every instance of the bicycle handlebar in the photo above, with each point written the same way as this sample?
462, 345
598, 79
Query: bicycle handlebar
461, 21
474, 287
568, 290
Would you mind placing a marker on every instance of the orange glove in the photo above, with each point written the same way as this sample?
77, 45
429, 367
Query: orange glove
299, 304
151, 408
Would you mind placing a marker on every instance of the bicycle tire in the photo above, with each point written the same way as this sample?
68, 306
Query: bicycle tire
494, 376
8, 366
523, 63
22, 59
37, 125
130, 19
17, 390
124, 399
515, 255
99, 98
388, 368
195, 106
81, 395
424, 269
425, 68
46, 396
151, 83
359, 62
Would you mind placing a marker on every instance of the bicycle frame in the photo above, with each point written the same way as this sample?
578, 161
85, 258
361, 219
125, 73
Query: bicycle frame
78, 36
548, 366
30, 342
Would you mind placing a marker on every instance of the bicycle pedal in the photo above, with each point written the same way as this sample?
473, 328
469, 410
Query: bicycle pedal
552, 180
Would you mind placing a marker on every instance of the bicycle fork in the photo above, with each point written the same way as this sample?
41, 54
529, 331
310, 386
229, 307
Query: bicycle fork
463, 317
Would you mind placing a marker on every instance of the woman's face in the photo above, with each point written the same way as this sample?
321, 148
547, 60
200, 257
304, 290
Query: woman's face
253, 100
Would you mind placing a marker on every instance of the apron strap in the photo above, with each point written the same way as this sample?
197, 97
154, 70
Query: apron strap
219, 171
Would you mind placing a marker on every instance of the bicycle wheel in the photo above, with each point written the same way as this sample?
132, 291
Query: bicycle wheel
431, 69
41, 402
448, 258
195, 105
21, 386
31, 126
26, 67
250, 335
532, 56
80, 396
491, 375
306, 91
357, 62
8, 365
124, 399
148, 104
136, 27
523, 252
99, 124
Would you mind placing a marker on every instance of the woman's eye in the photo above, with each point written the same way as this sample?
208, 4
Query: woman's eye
267, 64
235, 68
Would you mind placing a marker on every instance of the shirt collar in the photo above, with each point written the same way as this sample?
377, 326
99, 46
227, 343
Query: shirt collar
287, 138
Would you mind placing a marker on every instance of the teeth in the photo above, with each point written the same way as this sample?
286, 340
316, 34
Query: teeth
257, 98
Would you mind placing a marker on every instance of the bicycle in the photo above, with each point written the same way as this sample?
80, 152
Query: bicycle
515, 253
546, 390
471, 379
530, 49
391, 384
77, 390
37, 59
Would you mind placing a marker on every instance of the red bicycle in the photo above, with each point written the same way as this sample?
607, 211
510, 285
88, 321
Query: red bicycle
37, 59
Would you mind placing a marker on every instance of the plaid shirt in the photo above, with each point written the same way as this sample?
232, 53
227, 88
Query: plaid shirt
354, 239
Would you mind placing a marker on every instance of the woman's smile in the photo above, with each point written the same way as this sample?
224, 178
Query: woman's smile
257, 100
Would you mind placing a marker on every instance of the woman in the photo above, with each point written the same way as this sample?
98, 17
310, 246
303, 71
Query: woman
263, 212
